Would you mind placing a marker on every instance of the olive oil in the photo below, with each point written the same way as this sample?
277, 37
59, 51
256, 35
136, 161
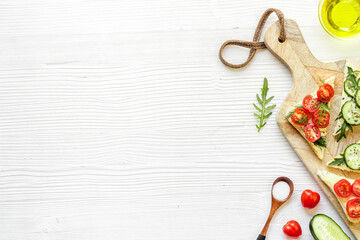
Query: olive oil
340, 18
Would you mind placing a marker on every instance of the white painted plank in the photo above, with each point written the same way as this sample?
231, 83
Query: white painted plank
118, 121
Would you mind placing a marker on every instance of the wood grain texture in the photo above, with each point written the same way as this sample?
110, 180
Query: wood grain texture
306, 71
118, 121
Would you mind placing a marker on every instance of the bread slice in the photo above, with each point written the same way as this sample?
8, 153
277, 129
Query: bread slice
343, 166
330, 179
318, 150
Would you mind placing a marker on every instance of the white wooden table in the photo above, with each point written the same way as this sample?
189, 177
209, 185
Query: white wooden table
118, 121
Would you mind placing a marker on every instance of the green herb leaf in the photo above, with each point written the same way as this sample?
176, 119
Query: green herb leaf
322, 81
270, 108
324, 108
256, 107
342, 130
338, 161
269, 99
340, 116
321, 142
352, 77
264, 112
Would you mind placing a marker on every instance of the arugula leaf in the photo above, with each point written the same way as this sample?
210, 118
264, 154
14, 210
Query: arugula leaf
338, 161
342, 131
351, 76
340, 116
350, 70
264, 112
321, 142
324, 108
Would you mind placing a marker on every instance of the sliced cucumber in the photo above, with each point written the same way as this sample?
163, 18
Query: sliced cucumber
349, 88
357, 97
351, 113
323, 227
352, 156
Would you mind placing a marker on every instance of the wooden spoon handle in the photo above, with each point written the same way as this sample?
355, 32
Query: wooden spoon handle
261, 237
275, 204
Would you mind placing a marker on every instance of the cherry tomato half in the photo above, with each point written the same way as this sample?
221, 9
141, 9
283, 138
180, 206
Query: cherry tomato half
310, 199
355, 187
353, 208
300, 116
310, 103
325, 93
292, 229
343, 188
312, 132
321, 118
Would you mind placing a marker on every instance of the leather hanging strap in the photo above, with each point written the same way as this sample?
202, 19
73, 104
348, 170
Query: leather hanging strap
255, 44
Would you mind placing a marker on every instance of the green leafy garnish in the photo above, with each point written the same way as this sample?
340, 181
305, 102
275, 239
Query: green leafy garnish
341, 132
303, 120
351, 76
321, 142
322, 81
324, 108
264, 112
338, 161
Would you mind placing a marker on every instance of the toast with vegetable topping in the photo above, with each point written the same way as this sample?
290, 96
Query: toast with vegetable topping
349, 200
311, 117
349, 160
349, 115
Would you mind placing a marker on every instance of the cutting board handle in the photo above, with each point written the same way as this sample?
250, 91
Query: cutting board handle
293, 52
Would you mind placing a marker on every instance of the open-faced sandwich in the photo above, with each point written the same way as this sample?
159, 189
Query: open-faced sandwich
349, 160
349, 115
311, 116
347, 192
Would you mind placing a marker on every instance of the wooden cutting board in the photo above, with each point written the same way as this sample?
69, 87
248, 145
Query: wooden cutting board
306, 71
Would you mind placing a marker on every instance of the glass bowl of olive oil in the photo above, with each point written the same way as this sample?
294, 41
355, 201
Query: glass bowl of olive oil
340, 18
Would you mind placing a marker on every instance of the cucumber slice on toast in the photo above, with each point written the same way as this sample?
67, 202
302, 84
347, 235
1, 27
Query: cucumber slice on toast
349, 88
352, 156
357, 97
351, 113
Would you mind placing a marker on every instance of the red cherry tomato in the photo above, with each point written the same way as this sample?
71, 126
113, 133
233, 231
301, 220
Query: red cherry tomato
292, 229
321, 118
325, 93
310, 103
353, 208
310, 199
343, 188
355, 187
312, 133
300, 116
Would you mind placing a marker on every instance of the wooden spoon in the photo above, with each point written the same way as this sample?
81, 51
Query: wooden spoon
275, 204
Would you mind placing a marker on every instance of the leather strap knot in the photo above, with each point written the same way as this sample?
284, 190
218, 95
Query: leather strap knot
255, 44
